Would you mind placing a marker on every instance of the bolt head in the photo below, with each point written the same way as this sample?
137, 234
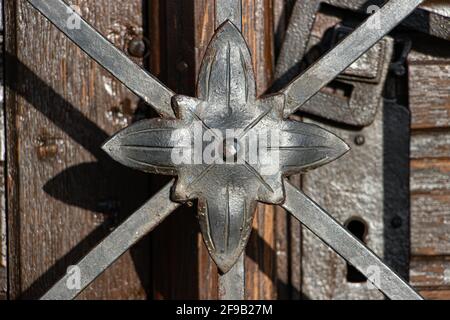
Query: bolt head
396, 222
230, 149
182, 66
137, 47
360, 140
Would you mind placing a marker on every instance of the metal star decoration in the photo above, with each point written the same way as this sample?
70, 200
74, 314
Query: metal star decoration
229, 186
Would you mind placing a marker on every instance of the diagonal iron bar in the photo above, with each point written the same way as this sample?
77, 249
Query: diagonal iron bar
304, 87
346, 245
117, 243
107, 55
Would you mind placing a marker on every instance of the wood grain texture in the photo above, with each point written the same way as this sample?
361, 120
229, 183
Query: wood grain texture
430, 224
430, 175
295, 251
64, 193
176, 257
435, 294
429, 100
426, 144
430, 273
429, 83
257, 28
3, 238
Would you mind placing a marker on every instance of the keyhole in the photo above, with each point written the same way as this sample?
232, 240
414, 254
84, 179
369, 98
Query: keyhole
359, 229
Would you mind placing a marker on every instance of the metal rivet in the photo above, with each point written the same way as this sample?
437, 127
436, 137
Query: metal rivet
360, 140
182, 66
137, 47
396, 222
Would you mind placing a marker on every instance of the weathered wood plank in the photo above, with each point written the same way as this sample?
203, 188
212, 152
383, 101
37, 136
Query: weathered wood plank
430, 144
3, 239
428, 50
65, 194
260, 261
438, 6
429, 95
177, 259
430, 273
282, 231
435, 294
429, 82
430, 224
257, 28
430, 175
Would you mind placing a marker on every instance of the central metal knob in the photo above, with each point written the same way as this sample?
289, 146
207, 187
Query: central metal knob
230, 150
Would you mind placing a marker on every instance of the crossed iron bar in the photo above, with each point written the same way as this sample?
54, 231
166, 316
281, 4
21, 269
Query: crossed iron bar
227, 193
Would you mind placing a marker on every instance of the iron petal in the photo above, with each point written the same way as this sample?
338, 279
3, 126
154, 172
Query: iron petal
226, 78
305, 146
150, 145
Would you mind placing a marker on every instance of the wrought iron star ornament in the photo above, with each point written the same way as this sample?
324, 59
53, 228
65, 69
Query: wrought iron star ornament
228, 191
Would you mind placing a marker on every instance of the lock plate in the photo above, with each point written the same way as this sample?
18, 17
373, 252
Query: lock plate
360, 108
363, 81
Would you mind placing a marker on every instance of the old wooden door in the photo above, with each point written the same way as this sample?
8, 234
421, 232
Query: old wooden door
63, 194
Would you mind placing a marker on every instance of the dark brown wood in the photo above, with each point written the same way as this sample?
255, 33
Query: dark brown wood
3, 237
430, 273
176, 251
428, 84
64, 193
430, 101
435, 294
430, 224
257, 28
430, 175
427, 144
429, 74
